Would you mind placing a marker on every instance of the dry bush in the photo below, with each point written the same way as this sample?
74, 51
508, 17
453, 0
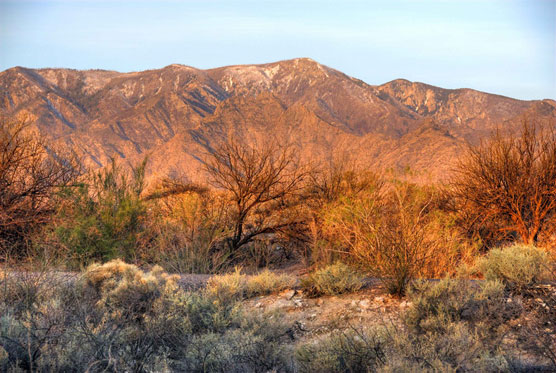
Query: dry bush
350, 351
188, 228
236, 286
229, 287
326, 187
436, 306
334, 279
267, 282
117, 317
517, 266
30, 173
399, 233
506, 187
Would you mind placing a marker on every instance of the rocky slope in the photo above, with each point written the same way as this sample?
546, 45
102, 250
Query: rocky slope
174, 114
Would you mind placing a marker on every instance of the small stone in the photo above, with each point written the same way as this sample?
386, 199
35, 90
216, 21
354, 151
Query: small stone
403, 304
353, 303
509, 300
320, 302
298, 303
258, 305
288, 294
379, 299
364, 304
312, 316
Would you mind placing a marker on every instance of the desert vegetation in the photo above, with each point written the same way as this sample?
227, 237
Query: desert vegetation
93, 263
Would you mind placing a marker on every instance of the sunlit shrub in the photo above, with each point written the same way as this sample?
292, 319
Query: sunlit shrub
398, 235
517, 266
189, 228
337, 278
236, 286
267, 282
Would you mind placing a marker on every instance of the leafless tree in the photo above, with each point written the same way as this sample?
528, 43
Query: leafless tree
510, 181
29, 174
261, 182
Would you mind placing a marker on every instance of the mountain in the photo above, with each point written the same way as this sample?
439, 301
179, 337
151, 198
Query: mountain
176, 113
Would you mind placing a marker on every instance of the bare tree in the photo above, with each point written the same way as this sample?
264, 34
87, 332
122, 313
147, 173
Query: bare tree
29, 175
260, 181
511, 181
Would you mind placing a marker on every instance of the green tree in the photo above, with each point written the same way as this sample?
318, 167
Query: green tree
104, 218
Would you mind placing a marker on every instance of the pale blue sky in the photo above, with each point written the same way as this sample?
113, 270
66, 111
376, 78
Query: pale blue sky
506, 47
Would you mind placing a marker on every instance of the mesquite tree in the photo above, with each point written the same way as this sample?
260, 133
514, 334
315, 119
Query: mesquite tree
512, 180
261, 182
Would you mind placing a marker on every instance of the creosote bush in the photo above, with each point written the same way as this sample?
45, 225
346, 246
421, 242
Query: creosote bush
337, 278
517, 266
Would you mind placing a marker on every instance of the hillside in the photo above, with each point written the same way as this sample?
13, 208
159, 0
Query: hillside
174, 114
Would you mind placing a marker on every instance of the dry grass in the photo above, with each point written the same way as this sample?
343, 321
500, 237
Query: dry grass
334, 279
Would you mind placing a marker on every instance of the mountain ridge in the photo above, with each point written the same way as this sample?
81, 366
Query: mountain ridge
176, 112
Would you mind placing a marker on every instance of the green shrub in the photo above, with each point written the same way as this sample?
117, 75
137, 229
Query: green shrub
334, 279
517, 266
104, 218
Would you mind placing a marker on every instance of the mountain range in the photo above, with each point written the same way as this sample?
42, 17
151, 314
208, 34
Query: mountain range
175, 114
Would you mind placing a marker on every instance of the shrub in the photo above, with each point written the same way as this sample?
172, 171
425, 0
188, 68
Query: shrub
236, 286
393, 235
267, 282
118, 317
334, 279
517, 266
507, 184
228, 287
352, 351
104, 218
436, 306
189, 229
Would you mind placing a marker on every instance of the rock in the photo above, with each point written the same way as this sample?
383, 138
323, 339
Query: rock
312, 316
320, 302
379, 299
353, 303
258, 305
298, 303
288, 294
364, 304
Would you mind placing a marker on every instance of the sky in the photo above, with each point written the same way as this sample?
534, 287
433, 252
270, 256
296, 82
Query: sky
506, 47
